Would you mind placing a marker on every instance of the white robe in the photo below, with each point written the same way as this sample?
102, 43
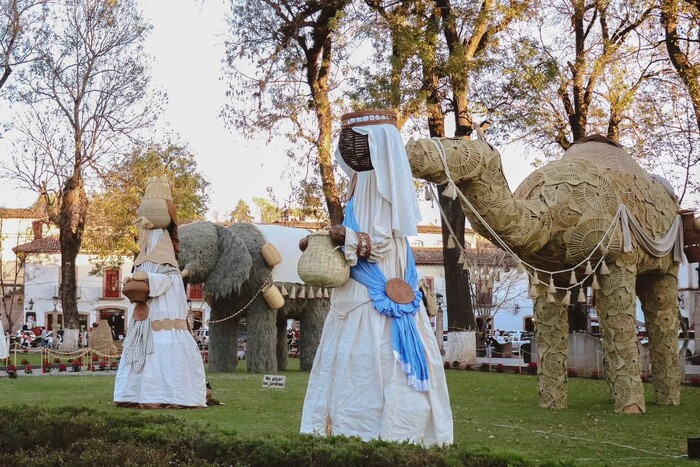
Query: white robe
356, 386
174, 372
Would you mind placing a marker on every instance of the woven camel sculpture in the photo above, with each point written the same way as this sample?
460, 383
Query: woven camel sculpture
565, 221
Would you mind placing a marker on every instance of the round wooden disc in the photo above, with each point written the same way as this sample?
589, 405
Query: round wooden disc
157, 325
140, 312
399, 291
167, 324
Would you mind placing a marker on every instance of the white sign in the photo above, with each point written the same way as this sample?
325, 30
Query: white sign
274, 381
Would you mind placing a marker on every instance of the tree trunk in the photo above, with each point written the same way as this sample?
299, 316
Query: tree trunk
73, 212
460, 315
689, 74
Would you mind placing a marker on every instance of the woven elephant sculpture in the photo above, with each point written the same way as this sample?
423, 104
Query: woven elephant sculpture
228, 260
593, 219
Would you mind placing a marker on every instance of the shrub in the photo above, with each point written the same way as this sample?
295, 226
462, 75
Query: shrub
25, 361
62, 367
484, 367
456, 364
446, 364
571, 372
103, 365
517, 370
95, 358
57, 360
500, 368
695, 381
11, 371
595, 374
28, 369
468, 367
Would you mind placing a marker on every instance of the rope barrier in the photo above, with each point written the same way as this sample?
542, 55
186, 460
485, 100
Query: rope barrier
245, 306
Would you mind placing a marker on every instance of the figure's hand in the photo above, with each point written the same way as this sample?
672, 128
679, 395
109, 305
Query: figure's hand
337, 234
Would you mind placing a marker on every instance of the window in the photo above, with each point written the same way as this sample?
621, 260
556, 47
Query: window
111, 285
195, 291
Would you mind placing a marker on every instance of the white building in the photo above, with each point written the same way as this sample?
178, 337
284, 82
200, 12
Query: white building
99, 296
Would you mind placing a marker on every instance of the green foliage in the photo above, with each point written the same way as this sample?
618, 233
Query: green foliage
241, 213
269, 212
495, 414
113, 206
78, 435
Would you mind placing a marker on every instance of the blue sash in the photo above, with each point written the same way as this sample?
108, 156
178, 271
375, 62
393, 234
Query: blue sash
405, 340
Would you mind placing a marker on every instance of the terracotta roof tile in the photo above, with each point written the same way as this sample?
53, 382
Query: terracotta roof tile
51, 244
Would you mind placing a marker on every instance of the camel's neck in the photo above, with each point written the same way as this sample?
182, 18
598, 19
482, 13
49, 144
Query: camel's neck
519, 223
475, 167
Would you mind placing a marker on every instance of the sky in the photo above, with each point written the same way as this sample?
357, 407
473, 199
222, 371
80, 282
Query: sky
186, 46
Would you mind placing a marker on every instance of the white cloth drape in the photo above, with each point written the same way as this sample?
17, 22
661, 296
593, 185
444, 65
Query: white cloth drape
356, 386
173, 373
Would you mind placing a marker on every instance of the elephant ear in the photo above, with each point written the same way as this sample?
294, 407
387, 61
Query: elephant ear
232, 267
199, 243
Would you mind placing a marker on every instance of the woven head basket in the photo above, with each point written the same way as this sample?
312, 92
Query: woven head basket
322, 264
154, 205
354, 147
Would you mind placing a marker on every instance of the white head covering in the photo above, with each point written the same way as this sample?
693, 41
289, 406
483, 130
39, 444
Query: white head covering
392, 178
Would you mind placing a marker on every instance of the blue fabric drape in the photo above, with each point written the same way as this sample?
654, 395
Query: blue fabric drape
406, 342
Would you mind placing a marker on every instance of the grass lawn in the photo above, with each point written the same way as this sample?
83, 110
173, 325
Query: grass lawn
493, 411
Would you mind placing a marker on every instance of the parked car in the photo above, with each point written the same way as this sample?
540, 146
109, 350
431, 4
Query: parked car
518, 338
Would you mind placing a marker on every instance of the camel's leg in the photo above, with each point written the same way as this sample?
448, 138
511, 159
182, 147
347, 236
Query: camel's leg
552, 332
616, 309
659, 297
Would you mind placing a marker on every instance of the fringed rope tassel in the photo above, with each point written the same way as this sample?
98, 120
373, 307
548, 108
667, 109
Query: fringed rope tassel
521, 268
138, 343
552, 288
319, 293
283, 290
465, 266
604, 271
532, 293
450, 191
302, 292
572, 278
325, 293
461, 259
595, 285
451, 242
293, 293
550, 298
589, 268
566, 301
581, 296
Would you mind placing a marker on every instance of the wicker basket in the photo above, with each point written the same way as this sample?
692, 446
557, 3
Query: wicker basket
271, 255
322, 264
156, 211
354, 147
273, 297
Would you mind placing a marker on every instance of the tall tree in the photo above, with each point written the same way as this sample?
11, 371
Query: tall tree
291, 44
19, 20
269, 211
84, 95
114, 202
241, 213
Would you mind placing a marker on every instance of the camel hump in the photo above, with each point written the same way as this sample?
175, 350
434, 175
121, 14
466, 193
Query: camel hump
598, 139
604, 153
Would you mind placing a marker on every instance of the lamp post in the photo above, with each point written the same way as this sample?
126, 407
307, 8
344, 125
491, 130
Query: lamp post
439, 322
54, 315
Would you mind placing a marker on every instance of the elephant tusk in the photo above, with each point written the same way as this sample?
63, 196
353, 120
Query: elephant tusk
185, 273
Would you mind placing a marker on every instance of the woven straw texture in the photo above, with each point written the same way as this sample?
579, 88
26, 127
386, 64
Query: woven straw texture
156, 211
271, 254
158, 187
322, 264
